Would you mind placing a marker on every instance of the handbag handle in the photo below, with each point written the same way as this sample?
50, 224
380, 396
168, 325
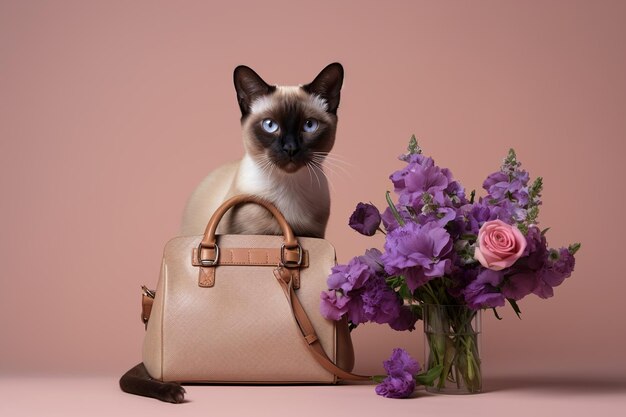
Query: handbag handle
208, 240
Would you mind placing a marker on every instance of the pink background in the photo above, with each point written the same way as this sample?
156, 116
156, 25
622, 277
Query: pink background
112, 112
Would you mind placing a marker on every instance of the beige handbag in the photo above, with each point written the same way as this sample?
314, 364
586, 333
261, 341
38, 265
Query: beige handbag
244, 309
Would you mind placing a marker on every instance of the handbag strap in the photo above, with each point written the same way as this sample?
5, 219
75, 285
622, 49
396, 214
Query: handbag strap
283, 275
305, 326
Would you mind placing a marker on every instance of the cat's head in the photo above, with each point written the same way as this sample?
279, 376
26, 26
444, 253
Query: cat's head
289, 126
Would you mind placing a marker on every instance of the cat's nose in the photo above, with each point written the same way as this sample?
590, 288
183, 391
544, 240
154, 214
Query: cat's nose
290, 147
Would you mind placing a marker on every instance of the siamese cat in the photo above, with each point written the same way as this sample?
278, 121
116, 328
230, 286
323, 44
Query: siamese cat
287, 134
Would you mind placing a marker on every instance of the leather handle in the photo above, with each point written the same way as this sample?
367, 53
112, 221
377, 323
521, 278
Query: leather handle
307, 331
208, 241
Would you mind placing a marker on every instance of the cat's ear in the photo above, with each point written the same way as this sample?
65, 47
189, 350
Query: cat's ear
249, 86
327, 85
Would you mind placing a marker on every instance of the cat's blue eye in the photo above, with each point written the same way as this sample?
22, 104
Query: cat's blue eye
269, 125
310, 125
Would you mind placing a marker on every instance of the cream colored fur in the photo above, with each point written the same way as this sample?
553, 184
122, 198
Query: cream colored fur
303, 200
302, 196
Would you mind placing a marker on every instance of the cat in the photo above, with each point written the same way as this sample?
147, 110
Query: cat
287, 134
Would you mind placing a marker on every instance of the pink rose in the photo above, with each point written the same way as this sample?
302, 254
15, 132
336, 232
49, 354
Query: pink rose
499, 245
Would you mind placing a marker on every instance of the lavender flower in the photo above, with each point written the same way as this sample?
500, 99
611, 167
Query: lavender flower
473, 216
432, 233
360, 291
418, 252
354, 275
401, 369
421, 180
365, 219
396, 387
536, 251
520, 285
405, 320
390, 222
333, 304
380, 303
483, 292
559, 266
373, 259
401, 363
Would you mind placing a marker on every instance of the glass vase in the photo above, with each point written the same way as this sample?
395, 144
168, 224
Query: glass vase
452, 345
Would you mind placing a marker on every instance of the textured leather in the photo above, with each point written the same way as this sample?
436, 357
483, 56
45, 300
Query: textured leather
308, 331
243, 329
208, 240
249, 256
146, 308
271, 257
289, 250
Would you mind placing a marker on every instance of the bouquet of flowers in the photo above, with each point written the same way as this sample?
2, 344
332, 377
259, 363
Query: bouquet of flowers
446, 256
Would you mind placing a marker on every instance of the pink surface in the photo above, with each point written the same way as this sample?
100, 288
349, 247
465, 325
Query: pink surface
512, 397
112, 112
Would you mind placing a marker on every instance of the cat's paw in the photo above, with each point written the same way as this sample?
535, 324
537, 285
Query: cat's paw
171, 392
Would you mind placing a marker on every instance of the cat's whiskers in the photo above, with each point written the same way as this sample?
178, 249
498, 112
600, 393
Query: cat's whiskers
318, 165
333, 168
333, 157
311, 166
265, 164
332, 164
310, 175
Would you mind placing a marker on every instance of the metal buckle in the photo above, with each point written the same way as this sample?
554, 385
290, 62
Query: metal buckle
208, 262
291, 263
147, 292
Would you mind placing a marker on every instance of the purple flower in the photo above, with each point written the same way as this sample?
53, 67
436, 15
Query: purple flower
354, 275
396, 387
365, 219
389, 220
400, 382
421, 180
494, 179
460, 278
473, 216
380, 303
483, 292
401, 363
373, 258
360, 291
418, 252
520, 285
455, 193
333, 304
441, 216
536, 252
559, 266
508, 188
405, 320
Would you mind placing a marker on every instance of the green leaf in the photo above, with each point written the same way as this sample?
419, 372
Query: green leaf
472, 195
393, 209
544, 231
573, 248
495, 312
379, 378
428, 378
513, 303
405, 292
